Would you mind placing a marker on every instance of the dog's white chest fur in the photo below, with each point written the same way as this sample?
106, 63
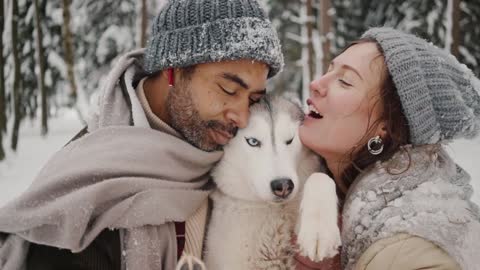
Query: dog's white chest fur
248, 235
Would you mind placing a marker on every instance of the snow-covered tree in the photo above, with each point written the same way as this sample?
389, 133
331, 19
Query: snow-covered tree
2, 82
17, 83
348, 21
55, 69
41, 67
469, 49
284, 15
103, 30
323, 39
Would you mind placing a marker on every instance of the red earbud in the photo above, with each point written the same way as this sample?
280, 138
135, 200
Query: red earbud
170, 77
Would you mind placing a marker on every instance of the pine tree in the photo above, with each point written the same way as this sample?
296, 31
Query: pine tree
349, 21
143, 25
108, 32
325, 36
422, 18
284, 15
309, 27
3, 112
469, 47
41, 65
69, 51
27, 51
455, 27
17, 89
55, 68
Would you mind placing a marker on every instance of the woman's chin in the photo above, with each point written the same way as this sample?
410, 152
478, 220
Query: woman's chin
306, 136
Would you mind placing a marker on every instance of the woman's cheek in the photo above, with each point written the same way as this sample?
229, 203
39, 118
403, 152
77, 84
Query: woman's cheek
344, 103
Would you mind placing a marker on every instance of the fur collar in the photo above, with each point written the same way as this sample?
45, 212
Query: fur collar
419, 191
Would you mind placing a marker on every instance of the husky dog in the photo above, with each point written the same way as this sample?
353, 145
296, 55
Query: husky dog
259, 203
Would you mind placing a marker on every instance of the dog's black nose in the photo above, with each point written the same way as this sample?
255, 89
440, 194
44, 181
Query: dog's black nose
282, 187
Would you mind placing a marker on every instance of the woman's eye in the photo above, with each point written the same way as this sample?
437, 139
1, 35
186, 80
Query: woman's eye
253, 142
343, 82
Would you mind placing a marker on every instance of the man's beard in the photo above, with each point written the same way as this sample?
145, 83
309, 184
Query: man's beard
186, 119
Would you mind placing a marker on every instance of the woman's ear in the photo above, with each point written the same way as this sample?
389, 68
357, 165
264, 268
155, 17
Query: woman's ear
382, 130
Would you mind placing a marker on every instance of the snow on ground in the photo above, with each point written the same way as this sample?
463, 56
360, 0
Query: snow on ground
20, 168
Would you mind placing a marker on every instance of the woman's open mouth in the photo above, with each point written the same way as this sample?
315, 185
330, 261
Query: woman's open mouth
312, 111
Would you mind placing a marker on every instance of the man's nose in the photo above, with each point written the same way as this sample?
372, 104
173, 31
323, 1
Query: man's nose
239, 114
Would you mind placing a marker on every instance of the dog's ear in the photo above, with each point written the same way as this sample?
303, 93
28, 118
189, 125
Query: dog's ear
292, 97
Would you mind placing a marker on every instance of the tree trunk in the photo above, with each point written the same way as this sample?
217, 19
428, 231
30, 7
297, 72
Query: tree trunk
325, 26
16, 78
41, 63
307, 46
143, 33
455, 27
3, 117
311, 53
68, 48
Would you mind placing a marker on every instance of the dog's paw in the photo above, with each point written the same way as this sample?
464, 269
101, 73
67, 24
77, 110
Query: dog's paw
317, 240
190, 262
318, 233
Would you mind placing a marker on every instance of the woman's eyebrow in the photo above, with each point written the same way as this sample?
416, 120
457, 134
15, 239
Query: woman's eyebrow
345, 66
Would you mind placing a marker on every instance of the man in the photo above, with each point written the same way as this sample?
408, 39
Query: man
117, 195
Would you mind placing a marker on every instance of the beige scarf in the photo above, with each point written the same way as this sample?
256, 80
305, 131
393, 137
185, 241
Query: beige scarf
132, 178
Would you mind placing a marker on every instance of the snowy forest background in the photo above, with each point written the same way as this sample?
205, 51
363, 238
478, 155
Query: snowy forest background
55, 53
81, 38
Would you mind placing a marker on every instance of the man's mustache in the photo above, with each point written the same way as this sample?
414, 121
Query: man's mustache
231, 129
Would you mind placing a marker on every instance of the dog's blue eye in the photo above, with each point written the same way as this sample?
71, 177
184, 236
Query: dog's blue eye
253, 142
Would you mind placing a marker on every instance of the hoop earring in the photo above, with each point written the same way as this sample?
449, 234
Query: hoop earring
375, 145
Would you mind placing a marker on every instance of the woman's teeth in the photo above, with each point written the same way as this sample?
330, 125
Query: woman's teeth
314, 113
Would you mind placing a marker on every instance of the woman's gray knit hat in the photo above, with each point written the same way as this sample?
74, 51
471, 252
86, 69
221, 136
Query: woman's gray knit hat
189, 32
439, 96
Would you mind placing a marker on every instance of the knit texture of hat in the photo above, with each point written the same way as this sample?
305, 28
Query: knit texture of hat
189, 32
439, 96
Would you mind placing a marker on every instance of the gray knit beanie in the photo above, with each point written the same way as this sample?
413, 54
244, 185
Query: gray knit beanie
439, 96
189, 32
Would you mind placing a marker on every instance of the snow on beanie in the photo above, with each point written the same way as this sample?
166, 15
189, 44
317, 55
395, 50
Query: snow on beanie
439, 96
189, 32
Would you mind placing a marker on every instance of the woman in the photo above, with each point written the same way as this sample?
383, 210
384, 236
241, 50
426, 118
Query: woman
380, 116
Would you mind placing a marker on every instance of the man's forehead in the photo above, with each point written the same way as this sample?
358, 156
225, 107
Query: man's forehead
250, 83
247, 76
236, 66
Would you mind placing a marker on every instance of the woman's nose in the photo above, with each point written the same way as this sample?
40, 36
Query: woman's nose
319, 86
